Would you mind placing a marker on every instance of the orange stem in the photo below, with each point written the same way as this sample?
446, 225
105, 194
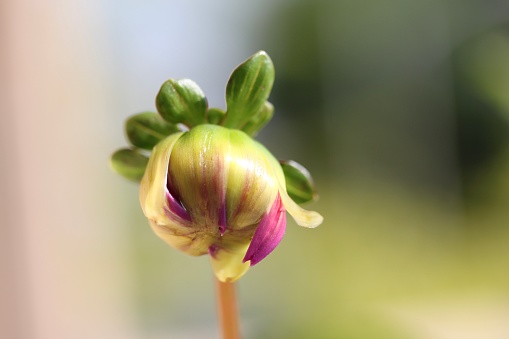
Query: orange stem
227, 309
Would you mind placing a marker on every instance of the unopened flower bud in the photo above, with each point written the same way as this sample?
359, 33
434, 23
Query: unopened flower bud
214, 190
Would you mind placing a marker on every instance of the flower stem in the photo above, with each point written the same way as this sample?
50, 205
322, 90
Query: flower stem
227, 309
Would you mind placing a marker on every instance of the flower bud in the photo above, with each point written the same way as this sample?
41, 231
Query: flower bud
216, 191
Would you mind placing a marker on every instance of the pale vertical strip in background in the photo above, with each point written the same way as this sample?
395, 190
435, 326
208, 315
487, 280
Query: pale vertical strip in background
61, 260
16, 318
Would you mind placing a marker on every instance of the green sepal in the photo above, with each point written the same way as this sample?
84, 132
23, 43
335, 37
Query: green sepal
182, 101
258, 121
215, 116
247, 89
129, 163
145, 130
299, 184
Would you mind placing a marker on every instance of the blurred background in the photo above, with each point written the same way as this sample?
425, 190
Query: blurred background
399, 108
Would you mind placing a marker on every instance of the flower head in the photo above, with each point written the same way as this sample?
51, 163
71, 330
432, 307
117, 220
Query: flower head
216, 191
208, 186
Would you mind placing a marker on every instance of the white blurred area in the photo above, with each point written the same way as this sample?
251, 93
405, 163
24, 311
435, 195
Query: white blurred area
70, 74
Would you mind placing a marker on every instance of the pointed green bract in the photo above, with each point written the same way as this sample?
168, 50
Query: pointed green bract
215, 116
257, 122
182, 101
129, 164
145, 130
247, 89
299, 184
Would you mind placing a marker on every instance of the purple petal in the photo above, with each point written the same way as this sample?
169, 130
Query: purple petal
175, 208
269, 233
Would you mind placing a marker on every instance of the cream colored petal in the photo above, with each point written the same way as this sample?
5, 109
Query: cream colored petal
153, 183
302, 217
182, 239
227, 264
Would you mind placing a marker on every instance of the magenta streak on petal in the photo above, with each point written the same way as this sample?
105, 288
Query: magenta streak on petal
213, 250
176, 208
219, 186
269, 233
222, 218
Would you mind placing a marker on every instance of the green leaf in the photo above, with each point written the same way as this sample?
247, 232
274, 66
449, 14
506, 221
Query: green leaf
182, 101
257, 122
215, 116
247, 89
129, 163
145, 130
299, 184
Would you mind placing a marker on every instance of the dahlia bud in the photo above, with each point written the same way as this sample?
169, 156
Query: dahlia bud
214, 190
208, 187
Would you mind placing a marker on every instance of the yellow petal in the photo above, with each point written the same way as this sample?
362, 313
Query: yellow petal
302, 217
228, 265
183, 239
153, 183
